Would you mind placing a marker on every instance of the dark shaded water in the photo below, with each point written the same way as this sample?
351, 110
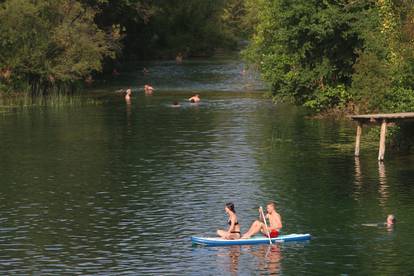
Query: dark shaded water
216, 74
117, 189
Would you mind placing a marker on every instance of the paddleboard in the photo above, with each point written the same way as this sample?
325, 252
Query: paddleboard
253, 240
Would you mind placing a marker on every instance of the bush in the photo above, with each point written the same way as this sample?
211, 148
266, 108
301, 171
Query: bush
328, 98
50, 43
399, 100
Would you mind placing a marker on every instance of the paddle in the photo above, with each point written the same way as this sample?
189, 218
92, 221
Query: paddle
267, 229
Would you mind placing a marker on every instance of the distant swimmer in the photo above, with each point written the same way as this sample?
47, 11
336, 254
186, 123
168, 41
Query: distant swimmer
179, 58
145, 71
175, 104
148, 89
128, 94
195, 98
391, 220
115, 72
233, 231
89, 80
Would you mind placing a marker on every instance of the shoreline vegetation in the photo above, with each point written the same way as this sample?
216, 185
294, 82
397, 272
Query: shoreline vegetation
352, 57
21, 101
337, 58
333, 58
61, 45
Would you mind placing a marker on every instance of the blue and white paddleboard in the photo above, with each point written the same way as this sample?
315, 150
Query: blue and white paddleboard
253, 240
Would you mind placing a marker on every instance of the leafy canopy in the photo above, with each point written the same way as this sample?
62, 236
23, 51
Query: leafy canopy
48, 41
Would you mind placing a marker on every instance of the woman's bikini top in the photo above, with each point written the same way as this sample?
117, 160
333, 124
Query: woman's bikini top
234, 224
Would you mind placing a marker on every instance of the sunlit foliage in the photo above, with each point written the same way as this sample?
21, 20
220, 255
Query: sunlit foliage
49, 44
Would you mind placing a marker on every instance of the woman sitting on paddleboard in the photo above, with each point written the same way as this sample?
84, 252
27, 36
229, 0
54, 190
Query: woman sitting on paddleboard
233, 232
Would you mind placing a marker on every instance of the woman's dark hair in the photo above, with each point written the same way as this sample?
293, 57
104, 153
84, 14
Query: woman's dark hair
230, 205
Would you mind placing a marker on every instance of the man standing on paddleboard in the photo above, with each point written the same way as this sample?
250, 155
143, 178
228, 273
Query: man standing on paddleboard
274, 226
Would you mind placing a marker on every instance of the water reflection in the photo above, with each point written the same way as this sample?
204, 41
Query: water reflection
128, 107
358, 173
266, 258
233, 254
383, 193
269, 258
382, 185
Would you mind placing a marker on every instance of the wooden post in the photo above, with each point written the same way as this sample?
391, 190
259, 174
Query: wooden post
381, 151
358, 138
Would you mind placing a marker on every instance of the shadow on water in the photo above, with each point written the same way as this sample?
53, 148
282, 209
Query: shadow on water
192, 75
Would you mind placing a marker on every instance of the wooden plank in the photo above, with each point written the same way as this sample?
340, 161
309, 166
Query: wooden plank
381, 151
403, 115
358, 138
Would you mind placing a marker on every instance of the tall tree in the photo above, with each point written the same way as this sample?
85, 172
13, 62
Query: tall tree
302, 46
50, 44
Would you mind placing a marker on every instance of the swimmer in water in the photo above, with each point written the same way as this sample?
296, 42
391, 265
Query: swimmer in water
391, 220
89, 80
179, 58
176, 104
115, 72
195, 99
128, 94
148, 89
389, 223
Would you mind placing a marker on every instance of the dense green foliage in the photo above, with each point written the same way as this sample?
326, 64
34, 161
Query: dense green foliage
355, 55
160, 28
47, 44
53, 45
348, 55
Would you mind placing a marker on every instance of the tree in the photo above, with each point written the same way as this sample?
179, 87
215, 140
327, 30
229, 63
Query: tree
50, 44
159, 28
303, 46
323, 54
383, 78
234, 17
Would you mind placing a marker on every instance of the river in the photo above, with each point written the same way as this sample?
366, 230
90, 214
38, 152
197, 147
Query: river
112, 188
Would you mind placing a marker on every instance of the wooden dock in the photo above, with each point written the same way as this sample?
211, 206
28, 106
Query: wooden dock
379, 119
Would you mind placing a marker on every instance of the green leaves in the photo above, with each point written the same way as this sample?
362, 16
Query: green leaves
324, 54
48, 42
301, 45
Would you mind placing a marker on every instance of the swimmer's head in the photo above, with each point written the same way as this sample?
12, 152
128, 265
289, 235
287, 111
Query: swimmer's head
192, 100
391, 219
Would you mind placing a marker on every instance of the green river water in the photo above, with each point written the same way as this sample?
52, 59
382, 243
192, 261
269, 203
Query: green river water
118, 189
